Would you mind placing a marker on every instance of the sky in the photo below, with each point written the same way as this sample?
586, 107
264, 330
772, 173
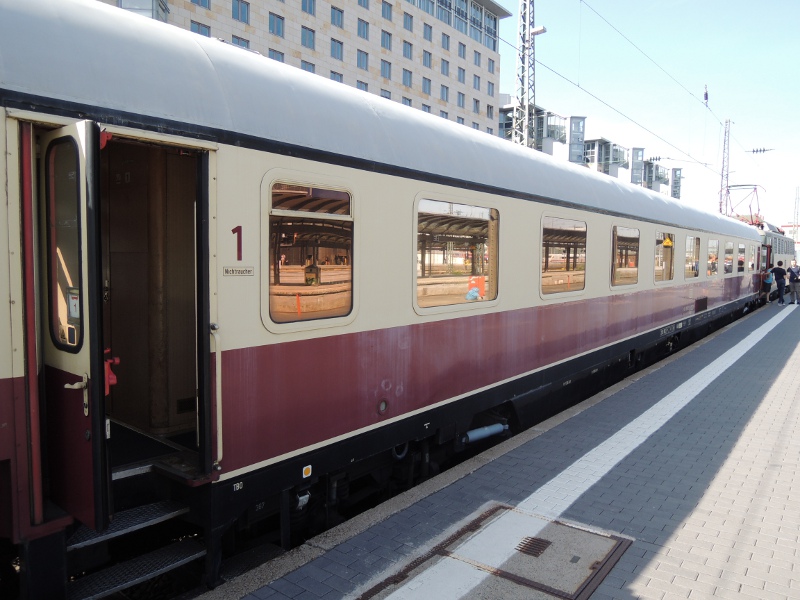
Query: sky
647, 91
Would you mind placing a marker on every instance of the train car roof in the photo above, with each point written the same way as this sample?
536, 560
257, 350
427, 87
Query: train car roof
83, 53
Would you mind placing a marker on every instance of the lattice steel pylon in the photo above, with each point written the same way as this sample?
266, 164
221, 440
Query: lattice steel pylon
523, 132
724, 189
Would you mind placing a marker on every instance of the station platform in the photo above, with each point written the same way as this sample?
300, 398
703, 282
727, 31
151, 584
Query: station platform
680, 482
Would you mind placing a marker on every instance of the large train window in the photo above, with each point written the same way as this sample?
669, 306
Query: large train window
728, 257
692, 264
740, 259
456, 253
563, 255
665, 256
64, 243
625, 256
713, 257
310, 253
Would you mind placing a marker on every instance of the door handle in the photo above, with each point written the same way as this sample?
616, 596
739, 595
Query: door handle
81, 385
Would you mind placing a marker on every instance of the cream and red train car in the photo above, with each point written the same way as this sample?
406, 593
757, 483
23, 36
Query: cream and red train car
240, 296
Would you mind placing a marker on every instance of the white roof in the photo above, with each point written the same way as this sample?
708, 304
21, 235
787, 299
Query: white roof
94, 55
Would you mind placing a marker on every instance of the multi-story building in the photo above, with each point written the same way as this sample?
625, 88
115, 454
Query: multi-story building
606, 157
550, 128
439, 56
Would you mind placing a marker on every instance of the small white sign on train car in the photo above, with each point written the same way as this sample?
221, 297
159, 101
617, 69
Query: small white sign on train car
238, 271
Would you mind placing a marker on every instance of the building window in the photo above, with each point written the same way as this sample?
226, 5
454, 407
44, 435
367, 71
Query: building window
386, 94
490, 65
408, 49
276, 25
428, 32
490, 88
364, 4
444, 93
408, 22
426, 59
362, 60
426, 85
445, 41
443, 114
386, 10
476, 105
448, 258
406, 101
307, 66
337, 17
309, 6
664, 257
307, 37
563, 255
275, 55
407, 78
445, 68
476, 125
426, 108
362, 86
476, 82
241, 11
337, 77
691, 269
460, 120
460, 100
624, 256
386, 40
490, 131
462, 50
477, 58
202, 3
337, 49
201, 29
386, 69
241, 42
713, 257
297, 252
462, 75
489, 111
363, 29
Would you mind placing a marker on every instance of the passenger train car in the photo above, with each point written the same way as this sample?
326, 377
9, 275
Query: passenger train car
242, 297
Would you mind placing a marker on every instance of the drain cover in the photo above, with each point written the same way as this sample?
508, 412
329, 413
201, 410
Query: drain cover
508, 554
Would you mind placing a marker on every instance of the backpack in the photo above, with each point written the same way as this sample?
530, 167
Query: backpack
770, 277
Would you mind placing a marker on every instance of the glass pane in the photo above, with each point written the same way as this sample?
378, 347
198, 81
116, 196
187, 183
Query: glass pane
713, 257
729, 257
740, 259
456, 253
692, 257
64, 243
311, 275
563, 255
625, 269
665, 256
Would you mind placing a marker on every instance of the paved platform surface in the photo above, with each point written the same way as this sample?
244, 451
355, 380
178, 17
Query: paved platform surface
692, 465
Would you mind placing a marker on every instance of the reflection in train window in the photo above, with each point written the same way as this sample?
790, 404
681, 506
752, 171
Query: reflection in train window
310, 253
751, 264
728, 257
456, 253
665, 256
713, 257
563, 255
625, 256
64, 243
740, 259
692, 265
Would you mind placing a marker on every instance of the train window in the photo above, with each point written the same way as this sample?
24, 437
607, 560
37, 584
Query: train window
740, 259
665, 256
456, 253
563, 255
692, 265
310, 253
625, 256
751, 264
728, 257
64, 243
713, 257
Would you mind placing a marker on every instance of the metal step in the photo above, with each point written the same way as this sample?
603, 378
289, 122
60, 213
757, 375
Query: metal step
127, 521
135, 571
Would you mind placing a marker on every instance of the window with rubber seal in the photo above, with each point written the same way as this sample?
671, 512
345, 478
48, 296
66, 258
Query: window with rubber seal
563, 255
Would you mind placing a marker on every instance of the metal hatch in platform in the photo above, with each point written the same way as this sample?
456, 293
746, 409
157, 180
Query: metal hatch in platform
505, 553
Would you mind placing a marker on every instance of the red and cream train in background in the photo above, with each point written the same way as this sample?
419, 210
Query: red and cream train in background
251, 295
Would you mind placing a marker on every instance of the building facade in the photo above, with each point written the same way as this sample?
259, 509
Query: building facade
439, 56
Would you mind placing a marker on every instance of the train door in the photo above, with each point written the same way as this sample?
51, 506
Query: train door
71, 340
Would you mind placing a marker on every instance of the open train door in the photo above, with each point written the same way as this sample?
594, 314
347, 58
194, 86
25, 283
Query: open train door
74, 371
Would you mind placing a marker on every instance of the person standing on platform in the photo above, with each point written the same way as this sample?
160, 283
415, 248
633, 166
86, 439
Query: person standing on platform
794, 283
780, 279
766, 284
